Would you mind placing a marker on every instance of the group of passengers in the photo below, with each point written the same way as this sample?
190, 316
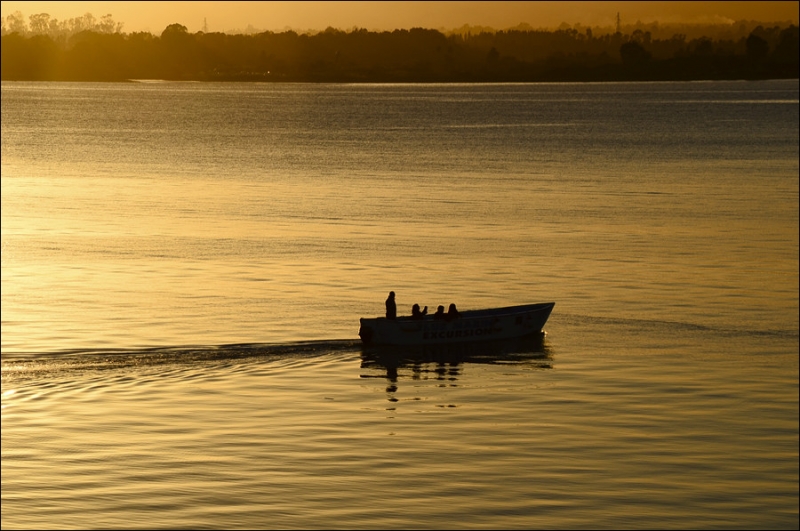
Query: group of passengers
416, 313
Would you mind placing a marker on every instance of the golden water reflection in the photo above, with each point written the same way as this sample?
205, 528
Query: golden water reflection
444, 363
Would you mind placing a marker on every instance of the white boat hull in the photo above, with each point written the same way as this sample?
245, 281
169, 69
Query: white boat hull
474, 325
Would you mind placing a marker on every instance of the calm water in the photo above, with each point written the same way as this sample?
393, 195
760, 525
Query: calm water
184, 266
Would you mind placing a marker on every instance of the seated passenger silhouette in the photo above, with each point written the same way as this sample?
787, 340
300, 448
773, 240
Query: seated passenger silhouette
452, 312
439, 315
416, 313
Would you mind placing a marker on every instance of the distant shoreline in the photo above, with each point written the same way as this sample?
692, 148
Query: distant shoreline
414, 56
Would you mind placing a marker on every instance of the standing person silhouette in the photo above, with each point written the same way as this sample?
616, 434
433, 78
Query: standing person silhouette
391, 307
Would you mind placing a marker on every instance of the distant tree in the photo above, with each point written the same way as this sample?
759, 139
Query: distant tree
16, 23
788, 44
757, 48
174, 32
96, 56
633, 54
28, 59
15, 57
642, 37
40, 23
702, 47
180, 54
107, 25
85, 23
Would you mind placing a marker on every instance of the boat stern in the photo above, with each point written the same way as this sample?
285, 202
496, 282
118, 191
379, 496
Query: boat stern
366, 332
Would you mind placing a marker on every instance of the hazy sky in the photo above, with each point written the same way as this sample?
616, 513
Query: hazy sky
278, 16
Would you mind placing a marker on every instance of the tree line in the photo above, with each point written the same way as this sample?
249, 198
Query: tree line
87, 49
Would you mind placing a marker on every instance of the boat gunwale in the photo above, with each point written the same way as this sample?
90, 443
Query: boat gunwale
480, 313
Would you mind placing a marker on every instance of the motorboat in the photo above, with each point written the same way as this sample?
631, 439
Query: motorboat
470, 325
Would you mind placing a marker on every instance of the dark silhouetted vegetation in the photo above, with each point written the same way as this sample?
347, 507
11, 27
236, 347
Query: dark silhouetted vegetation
85, 49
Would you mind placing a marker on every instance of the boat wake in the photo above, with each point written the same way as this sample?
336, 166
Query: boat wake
25, 365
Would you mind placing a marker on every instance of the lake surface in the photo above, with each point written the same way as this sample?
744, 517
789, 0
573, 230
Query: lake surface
184, 266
